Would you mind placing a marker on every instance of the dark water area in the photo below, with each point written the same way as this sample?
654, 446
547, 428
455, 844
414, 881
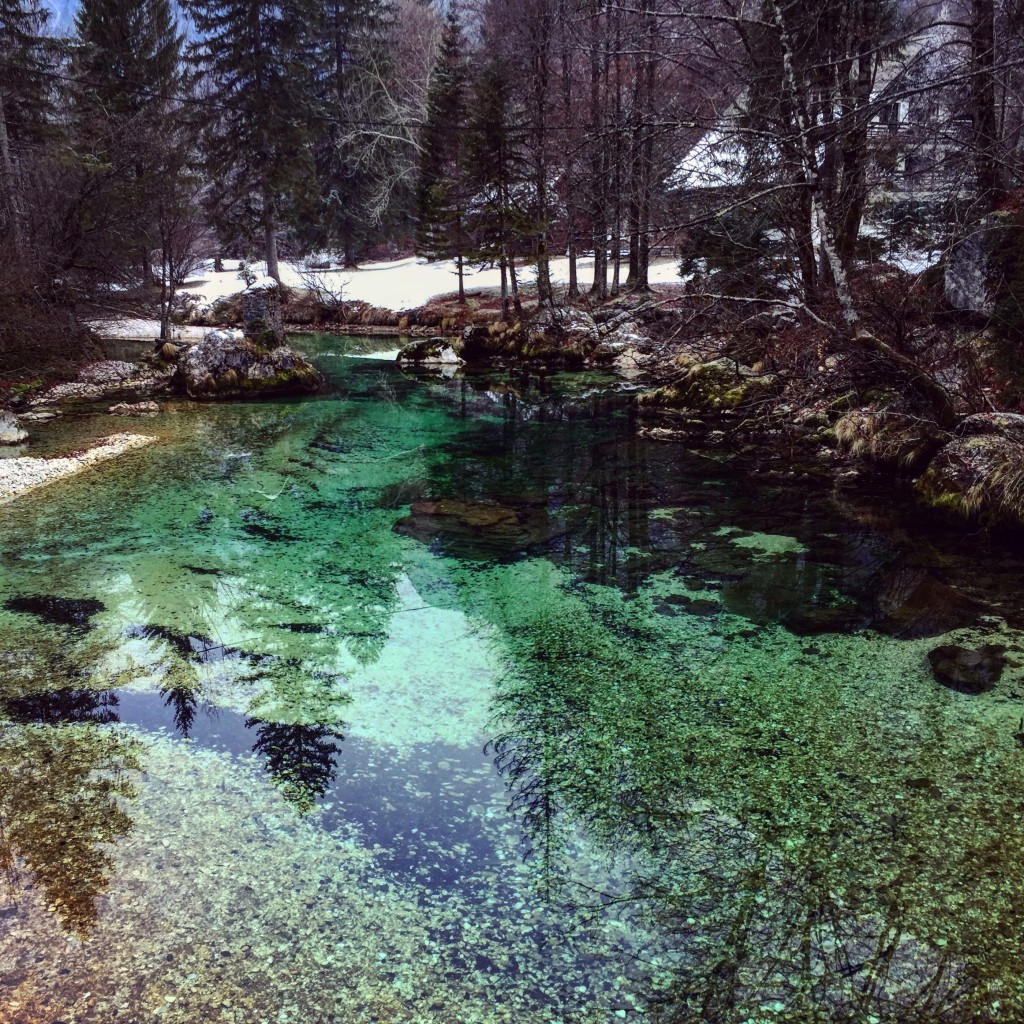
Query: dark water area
451, 698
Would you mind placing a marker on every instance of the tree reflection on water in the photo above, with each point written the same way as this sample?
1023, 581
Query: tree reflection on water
63, 799
798, 849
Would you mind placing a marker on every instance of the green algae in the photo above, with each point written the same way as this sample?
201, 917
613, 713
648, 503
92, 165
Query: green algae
770, 544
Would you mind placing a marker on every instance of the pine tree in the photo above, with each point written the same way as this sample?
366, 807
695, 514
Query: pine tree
257, 58
440, 194
355, 156
497, 174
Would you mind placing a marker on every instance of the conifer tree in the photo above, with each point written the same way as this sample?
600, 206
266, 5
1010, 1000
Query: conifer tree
496, 177
354, 155
257, 58
440, 194
23, 104
128, 80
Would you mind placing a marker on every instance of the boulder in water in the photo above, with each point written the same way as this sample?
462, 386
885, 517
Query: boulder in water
11, 431
966, 670
134, 409
225, 364
430, 352
476, 528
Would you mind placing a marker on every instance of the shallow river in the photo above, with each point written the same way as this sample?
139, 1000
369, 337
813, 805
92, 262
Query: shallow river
451, 700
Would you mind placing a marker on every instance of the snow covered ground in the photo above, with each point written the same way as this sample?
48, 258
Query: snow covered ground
404, 284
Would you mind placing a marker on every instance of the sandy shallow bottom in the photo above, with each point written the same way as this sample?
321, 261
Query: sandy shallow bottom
20, 475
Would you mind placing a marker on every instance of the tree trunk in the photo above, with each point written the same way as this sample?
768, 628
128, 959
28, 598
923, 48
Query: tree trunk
9, 185
804, 236
617, 158
165, 298
570, 227
567, 122
462, 283
983, 106
270, 239
853, 191
598, 164
541, 81
514, 285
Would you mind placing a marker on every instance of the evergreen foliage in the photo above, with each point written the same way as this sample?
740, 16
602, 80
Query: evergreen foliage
355, 154
128, 75
257, 63
25, 55
500, 197
440, 195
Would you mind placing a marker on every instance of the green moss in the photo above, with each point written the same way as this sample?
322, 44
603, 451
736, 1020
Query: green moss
716, 387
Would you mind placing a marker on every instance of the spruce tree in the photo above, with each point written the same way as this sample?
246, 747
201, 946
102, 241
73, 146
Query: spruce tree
257, 59
440, 193
355, 155
496, 175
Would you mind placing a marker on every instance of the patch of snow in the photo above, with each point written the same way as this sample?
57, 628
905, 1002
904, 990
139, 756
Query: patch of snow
913, 261
261, 282
716, 161
406, 284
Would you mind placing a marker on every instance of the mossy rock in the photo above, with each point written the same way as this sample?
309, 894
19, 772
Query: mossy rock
225, 367
979, 477
719, 387
500, 343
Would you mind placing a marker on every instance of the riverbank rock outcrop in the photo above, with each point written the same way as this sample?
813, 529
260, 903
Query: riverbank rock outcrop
226, 364
11, 431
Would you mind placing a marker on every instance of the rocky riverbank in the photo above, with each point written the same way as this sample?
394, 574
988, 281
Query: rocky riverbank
20, 475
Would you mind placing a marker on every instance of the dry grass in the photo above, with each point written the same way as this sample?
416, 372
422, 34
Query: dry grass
895, 438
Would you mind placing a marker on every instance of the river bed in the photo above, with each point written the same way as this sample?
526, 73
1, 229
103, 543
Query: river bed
451, 699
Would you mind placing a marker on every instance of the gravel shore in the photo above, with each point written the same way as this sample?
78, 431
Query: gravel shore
26, 474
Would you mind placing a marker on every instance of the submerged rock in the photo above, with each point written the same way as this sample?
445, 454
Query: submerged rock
224, 365
912, 604
475, 528
966, 670
134, 409
11, 431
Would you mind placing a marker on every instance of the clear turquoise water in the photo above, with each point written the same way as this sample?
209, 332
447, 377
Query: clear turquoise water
656, 740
